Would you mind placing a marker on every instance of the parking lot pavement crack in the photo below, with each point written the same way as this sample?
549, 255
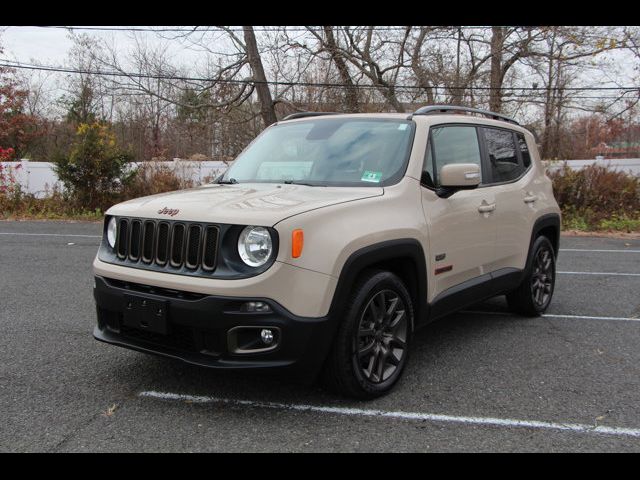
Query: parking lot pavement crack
57, 447
109, 411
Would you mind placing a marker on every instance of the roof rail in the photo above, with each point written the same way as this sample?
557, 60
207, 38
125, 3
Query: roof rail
453, 108
293, 116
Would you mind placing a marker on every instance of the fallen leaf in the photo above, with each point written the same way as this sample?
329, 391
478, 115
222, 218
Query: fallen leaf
110, 410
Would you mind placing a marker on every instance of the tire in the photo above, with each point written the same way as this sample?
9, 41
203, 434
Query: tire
371, 347
533, 295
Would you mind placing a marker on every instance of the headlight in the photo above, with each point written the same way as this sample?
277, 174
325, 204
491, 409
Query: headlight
255, 246
111, 232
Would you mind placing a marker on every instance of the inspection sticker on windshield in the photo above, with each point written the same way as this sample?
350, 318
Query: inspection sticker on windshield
374, 177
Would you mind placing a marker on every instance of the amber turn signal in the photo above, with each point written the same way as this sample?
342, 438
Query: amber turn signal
297, 242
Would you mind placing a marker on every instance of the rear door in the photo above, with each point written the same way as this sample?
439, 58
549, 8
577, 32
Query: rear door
462, 228
511, 178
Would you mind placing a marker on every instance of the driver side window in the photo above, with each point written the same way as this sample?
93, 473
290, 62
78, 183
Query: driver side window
450, 144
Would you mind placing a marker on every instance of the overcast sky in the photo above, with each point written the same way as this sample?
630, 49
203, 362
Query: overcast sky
47, 45
50, 46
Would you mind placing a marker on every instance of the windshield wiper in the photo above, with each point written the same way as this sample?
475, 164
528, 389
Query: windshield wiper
231, 181
296, 182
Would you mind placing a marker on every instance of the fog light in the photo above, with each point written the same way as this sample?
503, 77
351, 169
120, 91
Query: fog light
267, 336
255, 307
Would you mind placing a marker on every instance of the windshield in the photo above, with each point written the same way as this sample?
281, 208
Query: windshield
335, 152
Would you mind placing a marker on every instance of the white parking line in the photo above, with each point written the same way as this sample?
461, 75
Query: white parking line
595, 250
400, 415
50, 234
602, 273
554, 315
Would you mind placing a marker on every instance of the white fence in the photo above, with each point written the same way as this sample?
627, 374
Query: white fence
629, 165
39, 177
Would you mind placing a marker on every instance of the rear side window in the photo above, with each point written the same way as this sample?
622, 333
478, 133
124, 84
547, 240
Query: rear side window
503, 159
524, 150
453, 144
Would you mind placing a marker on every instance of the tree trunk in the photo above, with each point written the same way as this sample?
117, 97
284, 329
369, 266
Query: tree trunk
497, 45
549, 105
267, 110
456, 92
351, 95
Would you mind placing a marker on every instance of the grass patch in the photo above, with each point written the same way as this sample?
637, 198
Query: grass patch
21, 206
616, 223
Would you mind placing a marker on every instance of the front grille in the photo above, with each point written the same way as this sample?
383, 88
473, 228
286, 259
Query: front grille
193, 247
177, 245
210, 241
172, 245
148, 241
134, 240
163, 243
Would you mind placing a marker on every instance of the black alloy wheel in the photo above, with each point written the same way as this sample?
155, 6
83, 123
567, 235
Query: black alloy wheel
542, 277
382, 336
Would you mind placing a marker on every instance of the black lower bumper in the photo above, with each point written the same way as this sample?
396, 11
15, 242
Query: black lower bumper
209, 331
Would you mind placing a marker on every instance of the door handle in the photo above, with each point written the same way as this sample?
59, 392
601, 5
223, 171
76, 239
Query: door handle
530, 198
486, 208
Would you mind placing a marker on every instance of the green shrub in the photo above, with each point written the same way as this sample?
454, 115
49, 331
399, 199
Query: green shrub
95, 171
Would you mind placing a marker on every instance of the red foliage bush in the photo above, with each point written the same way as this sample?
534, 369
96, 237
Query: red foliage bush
596, 192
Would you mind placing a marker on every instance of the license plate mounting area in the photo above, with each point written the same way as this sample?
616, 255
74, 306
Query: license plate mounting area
146, 314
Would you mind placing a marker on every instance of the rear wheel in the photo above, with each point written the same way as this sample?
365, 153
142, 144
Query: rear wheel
371, 346
533, 295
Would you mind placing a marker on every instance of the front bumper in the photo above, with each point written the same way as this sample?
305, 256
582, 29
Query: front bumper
200, 329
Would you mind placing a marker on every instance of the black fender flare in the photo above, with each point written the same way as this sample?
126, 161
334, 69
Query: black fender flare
548, 220
370, 255
545, 221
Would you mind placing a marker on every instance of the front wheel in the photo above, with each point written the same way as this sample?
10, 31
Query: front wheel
372, 343
533, 295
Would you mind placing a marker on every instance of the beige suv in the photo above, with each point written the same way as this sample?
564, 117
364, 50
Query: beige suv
329, 241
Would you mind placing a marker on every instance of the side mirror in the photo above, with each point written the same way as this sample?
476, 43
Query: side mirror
458, 176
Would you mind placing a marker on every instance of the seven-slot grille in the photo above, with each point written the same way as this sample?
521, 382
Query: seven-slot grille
174, 245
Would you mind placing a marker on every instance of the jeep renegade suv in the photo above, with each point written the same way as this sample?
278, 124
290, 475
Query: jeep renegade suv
329, 241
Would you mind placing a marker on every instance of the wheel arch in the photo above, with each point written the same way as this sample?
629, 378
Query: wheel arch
403, 257
549, 226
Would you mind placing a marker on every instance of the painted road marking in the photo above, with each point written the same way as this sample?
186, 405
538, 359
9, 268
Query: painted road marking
602, 273
400, 415
553, 315
51, 234
595, 250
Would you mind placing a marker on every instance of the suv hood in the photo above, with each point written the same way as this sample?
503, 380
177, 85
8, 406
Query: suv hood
246, 204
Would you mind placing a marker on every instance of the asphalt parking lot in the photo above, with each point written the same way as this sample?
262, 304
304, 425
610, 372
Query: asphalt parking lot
481, 380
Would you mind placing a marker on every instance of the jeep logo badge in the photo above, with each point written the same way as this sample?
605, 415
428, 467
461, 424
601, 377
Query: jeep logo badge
168, 211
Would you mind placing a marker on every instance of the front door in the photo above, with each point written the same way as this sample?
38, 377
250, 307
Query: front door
462, 228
